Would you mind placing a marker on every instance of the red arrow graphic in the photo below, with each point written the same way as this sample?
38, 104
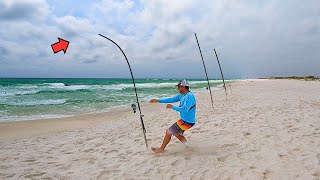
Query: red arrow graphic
61, 45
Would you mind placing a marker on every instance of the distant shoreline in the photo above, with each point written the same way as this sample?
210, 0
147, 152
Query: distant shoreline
306, 78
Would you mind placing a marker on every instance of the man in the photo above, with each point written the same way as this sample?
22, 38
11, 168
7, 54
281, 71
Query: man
187, 110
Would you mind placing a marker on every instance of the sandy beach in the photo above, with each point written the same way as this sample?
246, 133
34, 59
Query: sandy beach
265, 129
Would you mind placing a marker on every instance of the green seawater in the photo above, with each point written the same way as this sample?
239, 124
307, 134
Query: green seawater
26, 99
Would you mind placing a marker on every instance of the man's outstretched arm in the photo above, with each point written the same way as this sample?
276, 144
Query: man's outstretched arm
166, 100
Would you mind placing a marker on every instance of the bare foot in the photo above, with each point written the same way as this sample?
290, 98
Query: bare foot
157, 150
187, 145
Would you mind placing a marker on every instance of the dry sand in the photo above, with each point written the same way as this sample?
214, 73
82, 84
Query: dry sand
266, 129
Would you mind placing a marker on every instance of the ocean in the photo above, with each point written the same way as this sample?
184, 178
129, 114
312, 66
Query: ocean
29, 99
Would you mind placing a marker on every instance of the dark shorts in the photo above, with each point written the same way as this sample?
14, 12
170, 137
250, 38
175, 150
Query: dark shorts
179, 127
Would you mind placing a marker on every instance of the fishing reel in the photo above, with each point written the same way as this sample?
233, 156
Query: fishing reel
134, 108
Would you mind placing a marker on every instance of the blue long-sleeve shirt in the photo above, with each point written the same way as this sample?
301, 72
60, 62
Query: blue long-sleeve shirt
187, 107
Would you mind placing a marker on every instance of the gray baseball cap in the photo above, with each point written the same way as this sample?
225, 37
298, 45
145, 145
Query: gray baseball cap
183, 83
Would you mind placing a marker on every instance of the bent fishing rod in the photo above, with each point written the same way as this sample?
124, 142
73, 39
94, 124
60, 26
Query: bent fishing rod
205, 70
224, 85
135, 89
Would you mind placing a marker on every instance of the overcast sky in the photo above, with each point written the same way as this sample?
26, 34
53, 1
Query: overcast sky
253, 38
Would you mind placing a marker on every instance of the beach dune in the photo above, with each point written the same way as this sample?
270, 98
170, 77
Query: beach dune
265, 129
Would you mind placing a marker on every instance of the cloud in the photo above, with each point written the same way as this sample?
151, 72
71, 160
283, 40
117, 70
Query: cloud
160, 10
107, 6
3, 51
17, 10
90, 61
253, 38
72, 26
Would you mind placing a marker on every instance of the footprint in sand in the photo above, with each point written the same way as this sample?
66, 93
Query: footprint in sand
129, 152
121, 136
89, 150
294, 151
92, 160
5, 167
111, 151
283, 156
316, 174
229, 145
88, 139
9, 175
175, 162
31, 176
266, 174
98, 144
29, 160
